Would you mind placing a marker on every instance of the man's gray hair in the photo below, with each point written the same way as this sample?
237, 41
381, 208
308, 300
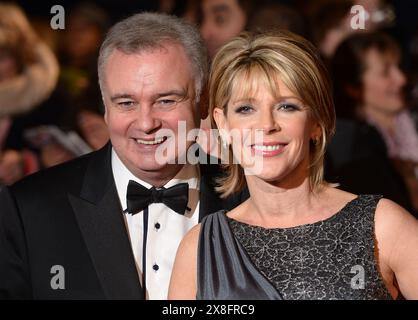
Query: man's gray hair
144, 31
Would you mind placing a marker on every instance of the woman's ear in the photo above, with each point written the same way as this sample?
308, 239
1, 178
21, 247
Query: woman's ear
316, 132
220, 119
221, 123
223, 128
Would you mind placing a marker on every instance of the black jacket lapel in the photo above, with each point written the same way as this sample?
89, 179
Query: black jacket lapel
209, 200
100, 219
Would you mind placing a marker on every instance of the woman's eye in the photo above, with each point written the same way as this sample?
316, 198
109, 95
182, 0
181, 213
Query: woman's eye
288, 107
243, 109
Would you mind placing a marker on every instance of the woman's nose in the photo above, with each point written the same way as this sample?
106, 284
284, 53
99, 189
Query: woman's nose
268, 122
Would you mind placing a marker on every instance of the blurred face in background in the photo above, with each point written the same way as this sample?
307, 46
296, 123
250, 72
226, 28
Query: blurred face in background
383, 83
8, 65
82, 40
222, 20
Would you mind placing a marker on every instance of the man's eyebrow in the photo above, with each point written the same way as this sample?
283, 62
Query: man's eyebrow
180, 93
121, 96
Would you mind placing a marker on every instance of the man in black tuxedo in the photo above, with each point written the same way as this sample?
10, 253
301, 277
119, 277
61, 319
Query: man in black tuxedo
107, 225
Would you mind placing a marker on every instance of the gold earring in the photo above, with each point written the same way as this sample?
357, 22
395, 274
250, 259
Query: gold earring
224, 142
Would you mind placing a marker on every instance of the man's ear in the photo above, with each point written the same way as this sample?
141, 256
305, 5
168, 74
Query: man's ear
106, 116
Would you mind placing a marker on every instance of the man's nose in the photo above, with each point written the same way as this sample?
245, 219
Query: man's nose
147, 120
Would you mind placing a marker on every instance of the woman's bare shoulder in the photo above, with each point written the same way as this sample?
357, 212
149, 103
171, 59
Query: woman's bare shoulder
191, 238
397, 241
391, 217
183, 278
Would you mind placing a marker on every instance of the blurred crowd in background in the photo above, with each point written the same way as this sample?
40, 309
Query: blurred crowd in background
48, 79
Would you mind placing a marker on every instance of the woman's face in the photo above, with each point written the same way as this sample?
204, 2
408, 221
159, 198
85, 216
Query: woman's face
275, 131
383, 83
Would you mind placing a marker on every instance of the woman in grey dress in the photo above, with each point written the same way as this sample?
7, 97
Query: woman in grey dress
296, 237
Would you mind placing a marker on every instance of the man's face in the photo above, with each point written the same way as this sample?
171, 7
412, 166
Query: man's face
147, 94
222, 20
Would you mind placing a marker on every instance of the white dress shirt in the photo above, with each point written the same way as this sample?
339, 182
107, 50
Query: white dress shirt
166, 228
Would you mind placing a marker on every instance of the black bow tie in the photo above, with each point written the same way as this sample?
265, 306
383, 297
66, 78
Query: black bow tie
138, 197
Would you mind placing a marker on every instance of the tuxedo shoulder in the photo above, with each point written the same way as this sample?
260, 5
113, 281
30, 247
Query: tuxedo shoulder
66, 176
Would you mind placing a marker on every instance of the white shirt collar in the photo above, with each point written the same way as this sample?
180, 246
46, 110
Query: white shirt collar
189, 174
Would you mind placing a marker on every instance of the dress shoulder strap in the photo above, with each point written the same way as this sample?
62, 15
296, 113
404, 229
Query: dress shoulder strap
225, 271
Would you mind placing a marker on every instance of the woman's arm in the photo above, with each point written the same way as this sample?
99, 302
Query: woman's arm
183, 283
27, 90
397, 238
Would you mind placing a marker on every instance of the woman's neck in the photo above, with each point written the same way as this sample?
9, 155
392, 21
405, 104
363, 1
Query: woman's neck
273, 205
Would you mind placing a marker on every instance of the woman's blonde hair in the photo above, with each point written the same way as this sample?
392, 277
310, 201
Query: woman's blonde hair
297, 63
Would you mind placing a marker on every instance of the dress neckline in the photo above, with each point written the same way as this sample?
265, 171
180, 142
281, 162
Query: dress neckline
340, 212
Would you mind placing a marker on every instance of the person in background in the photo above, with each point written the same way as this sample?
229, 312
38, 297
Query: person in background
185, 9
332, 21
296, 237
28, 76
369, 87
222, 20
271, 16
75, 106
331, 25
86, 26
